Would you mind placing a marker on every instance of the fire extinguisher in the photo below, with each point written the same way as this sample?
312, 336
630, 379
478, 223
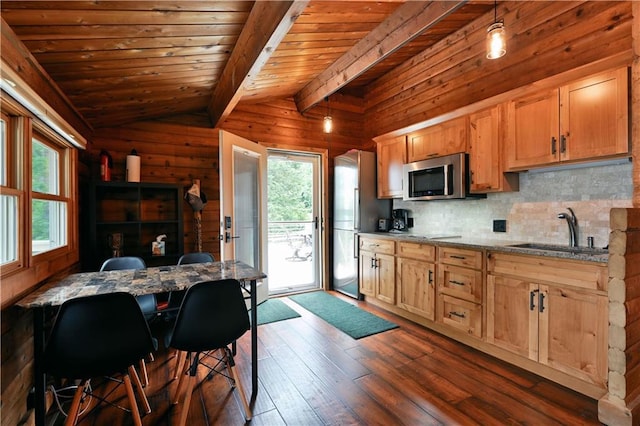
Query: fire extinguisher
106, 163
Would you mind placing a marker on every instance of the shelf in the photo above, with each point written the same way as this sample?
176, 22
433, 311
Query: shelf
140, 212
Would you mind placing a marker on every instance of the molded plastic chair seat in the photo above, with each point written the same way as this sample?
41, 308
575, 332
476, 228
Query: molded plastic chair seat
148, 302
87, 340
212, 316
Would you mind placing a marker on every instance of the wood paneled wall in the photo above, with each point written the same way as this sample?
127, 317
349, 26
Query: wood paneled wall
543, 39
17, 363
184, 148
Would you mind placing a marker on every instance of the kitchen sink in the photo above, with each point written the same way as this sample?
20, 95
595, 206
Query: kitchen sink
563, 249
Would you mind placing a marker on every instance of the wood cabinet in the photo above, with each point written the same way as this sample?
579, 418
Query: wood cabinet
583, 120
391, 157
486, 147
140, 212
551, 311
377, 269
460, 289
446, 138
416, 277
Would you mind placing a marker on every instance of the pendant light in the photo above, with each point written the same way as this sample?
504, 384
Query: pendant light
496, 37
327, 124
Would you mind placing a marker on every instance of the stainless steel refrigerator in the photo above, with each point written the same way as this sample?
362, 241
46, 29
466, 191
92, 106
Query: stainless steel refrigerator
356, 208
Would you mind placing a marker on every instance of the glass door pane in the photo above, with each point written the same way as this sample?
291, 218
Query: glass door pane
294, 221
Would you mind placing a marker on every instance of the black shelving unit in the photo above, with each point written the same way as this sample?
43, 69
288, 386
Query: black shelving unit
141, 212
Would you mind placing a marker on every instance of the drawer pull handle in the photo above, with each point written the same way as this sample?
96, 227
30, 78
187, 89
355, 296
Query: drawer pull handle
456, 282
453, 256
456, 314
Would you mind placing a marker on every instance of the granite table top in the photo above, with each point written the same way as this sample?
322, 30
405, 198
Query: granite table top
138, 282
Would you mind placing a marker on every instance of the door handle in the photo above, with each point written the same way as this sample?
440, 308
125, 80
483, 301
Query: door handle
228, 237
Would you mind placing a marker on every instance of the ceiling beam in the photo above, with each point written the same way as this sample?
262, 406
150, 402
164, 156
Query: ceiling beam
266, 26
407, 22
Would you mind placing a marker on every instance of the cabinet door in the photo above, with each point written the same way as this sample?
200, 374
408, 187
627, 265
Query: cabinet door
386, 278
484, 150
416, 287
573, 333
391, 157
435, 141
594, 116
533, 126
511, 323
367, 273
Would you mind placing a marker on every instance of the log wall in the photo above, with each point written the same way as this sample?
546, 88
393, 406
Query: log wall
184, 148
543, 39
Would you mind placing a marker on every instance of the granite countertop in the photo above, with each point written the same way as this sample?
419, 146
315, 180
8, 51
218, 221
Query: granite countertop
547, 250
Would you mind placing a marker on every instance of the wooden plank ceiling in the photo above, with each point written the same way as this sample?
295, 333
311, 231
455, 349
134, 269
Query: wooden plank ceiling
124, 61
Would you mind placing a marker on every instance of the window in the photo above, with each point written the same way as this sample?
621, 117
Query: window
48, 204
9, 200
38, 204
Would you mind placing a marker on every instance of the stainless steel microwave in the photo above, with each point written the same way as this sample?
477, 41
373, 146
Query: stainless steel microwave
436, 178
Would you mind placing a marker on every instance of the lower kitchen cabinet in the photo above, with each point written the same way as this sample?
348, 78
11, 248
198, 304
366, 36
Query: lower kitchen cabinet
377, 269
532, 313
416, 287
416, 279
460, 289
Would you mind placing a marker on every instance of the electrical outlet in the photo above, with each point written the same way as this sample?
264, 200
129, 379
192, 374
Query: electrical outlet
499, 225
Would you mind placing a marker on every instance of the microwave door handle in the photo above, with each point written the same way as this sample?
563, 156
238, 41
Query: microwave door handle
446, 180
356, 209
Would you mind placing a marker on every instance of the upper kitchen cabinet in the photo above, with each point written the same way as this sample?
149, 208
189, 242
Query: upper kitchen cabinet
583, 120
391, 156
486, 148
446, 138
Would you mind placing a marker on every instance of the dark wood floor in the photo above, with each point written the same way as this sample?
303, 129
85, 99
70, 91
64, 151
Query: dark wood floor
312, 374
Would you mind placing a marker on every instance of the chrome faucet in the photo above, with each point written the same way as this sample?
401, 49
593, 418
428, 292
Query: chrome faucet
572, 221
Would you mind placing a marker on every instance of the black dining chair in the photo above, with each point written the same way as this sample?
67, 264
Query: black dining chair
175, 297
148, 302
212, 316
88, 341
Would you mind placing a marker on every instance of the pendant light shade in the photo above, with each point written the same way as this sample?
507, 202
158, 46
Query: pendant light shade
327, 123
496, 41
496, 36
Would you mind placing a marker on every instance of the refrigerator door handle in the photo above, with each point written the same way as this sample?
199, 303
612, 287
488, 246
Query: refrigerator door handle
355, 244
356, 208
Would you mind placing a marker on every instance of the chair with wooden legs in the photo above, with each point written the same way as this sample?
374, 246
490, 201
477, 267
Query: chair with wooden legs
88, 341
147, 302
212, 316
175, 298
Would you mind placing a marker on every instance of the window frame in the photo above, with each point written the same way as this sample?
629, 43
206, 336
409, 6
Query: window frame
29, 270
63, 188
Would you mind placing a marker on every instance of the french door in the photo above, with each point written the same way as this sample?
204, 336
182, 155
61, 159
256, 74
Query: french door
294, 221
243, 202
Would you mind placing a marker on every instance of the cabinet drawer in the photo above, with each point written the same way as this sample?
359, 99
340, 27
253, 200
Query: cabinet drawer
459, 282
461, 314
417, 251
378, 246
541, 269
460, 257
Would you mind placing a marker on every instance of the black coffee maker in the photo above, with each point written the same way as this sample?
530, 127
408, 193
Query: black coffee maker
400, 219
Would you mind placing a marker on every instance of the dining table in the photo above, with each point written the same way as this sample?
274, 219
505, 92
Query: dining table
152, 280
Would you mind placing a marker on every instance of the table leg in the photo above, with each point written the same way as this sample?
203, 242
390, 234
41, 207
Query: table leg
254, 339
38, 361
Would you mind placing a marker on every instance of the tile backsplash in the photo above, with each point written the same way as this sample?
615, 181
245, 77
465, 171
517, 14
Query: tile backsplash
531, 213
